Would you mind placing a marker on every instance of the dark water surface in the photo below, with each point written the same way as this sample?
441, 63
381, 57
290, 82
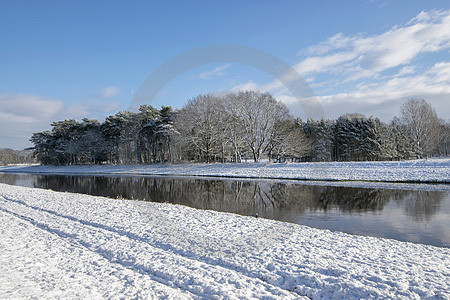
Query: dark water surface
406, 215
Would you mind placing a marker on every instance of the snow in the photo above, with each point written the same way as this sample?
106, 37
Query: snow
63, 245
413, 171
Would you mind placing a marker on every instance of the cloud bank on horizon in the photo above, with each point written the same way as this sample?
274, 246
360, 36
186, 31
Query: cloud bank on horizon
369, 74
23, 114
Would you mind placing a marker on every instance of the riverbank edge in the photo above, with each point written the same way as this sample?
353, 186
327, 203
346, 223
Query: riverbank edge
436, 171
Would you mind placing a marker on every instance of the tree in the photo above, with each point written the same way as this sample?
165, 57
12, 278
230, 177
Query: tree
356, 138
385, 140
289, 141
403, 147
233, 129
91, 142
258, 114
443, 148
162, 132
43, 147
422, 125
321, 136
8, 156
64, 136
200, 123
147, 142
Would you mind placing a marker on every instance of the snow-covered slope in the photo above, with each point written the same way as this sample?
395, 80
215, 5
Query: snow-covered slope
433, 170
62, 245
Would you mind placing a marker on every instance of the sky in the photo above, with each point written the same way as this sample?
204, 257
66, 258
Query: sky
76, 59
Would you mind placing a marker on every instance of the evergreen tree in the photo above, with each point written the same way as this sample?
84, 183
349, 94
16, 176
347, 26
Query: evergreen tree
321, 135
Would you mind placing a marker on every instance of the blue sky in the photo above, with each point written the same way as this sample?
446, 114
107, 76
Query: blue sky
62, 59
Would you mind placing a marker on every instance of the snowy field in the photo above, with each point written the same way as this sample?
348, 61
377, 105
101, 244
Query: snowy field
62, 245
419, 171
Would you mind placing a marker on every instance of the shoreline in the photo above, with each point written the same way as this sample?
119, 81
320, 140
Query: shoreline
432, 171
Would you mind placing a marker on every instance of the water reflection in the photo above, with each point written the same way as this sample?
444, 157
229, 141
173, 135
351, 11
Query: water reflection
320, 206
421, 206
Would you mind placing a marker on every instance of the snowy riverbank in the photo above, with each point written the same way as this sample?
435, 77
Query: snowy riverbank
419, 171
60, 245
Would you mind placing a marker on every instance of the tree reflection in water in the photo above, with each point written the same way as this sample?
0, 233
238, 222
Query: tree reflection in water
265, 198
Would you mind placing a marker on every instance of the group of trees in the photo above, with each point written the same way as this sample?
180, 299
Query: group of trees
240, 126
126, 137
417, 133
10, 156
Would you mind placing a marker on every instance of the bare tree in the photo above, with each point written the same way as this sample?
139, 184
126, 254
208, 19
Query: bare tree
289, 141
7, 156
200, 123
258, 114
423, 125
233, 127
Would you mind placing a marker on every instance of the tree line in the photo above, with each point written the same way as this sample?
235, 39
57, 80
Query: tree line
241, 126
10, 156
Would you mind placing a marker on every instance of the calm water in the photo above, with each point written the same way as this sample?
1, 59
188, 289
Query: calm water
406, 215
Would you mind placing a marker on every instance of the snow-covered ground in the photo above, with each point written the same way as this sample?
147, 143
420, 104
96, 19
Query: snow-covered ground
62, 245
430, 171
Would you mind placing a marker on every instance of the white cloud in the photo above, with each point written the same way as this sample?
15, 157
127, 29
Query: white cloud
93, 108
441, 72
338, 41
109, 92
214, 72
362, 56
248, 86
406, 71
7, 117
19, 105
22, 114
316, 64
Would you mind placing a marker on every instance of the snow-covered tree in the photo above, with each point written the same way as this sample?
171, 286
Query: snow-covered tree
356, 138
443, 148
199, 123
289, 141
321, 135
403, 147
422, 124
258, 115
